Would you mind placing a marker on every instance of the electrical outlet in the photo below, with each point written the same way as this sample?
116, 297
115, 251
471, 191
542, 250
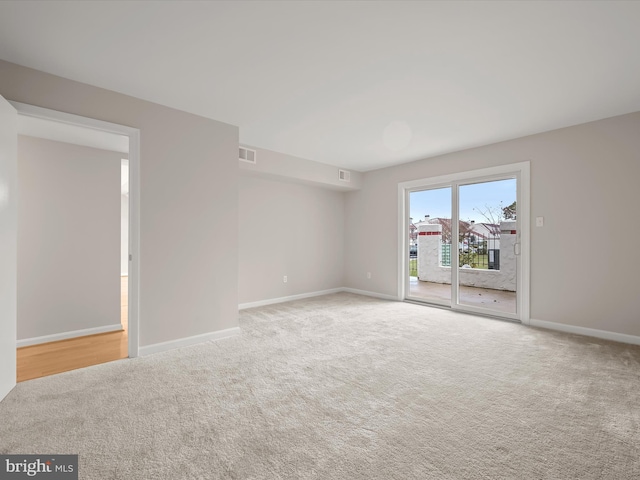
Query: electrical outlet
539, 221
369, 275
284, 279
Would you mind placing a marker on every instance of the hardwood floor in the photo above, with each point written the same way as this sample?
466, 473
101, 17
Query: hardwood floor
49, 358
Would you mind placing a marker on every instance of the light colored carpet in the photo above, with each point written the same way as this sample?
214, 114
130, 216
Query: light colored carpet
346, 387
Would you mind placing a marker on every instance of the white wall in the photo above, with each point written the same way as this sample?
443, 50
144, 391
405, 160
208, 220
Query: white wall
582, 175
68, 238
288, 229
429, 261
189, 202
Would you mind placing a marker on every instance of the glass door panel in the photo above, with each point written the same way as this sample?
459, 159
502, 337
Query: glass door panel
430, 246
487, 250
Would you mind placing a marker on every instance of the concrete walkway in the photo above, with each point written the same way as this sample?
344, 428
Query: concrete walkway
498, 300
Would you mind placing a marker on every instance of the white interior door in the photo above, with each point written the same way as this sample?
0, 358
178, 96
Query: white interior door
8, 181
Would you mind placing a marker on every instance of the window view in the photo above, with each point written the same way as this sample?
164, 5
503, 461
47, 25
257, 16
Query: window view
430, 245
485, 245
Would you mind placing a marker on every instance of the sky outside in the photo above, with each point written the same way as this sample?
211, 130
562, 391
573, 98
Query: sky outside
437, 203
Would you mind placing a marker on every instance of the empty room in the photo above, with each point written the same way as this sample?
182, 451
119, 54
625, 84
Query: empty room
348, 240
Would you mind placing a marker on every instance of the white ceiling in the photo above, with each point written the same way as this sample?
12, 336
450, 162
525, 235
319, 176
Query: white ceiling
357, 84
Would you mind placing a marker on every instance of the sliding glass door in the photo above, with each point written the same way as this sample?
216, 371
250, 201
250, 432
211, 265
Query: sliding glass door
487, 237
464, 244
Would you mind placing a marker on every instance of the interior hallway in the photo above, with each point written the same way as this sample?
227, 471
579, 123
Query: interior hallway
55, 357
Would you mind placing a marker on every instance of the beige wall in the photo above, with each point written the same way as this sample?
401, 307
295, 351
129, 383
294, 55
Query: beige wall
583, 181
288, 229
582, 178
68, 238
188, 195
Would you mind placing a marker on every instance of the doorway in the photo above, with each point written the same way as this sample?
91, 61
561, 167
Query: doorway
73, 351
465, 241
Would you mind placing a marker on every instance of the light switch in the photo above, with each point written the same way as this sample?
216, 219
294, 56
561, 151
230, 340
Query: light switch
539, 221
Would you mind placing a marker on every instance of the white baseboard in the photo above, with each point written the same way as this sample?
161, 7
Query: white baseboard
271, 301
185, 342
383, 296
67, 335
589, 332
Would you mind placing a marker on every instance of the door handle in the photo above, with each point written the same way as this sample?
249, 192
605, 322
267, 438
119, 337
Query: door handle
516, 249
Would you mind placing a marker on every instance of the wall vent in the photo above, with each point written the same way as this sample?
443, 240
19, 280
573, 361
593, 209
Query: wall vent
344, 175
247, 155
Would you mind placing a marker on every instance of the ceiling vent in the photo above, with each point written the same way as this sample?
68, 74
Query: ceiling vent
344, 175
247, 155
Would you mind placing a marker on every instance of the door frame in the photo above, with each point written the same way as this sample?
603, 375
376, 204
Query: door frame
520, 170
134, 201
8, 245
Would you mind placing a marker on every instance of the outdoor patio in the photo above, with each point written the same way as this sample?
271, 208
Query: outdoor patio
500, 300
